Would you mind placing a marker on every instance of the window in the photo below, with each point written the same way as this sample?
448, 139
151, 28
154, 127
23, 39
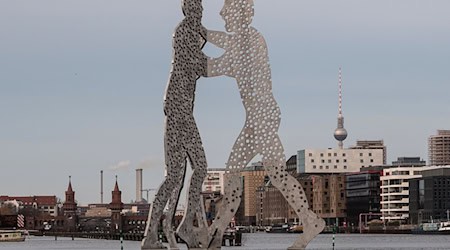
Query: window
314, 167
345, 160
310, 154
360, 154
362, 161
343, 155
323, 161
371, 160
321, 167
321, 154
335, 154
370, 154
345, 167
312, 160
335, 166
329, 160
329, 154
327, 167
337, 160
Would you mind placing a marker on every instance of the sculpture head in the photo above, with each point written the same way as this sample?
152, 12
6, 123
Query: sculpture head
237, 14
192, 8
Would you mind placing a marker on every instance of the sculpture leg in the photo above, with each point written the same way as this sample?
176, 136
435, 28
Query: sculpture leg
293, 192
197, 159
227, 209
241, 154
150, 240
173, 157
171, 208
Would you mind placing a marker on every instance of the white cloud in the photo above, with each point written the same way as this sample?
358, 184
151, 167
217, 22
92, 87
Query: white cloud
151, 162
120, 165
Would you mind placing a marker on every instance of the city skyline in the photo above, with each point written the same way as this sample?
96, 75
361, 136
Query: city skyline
82, 84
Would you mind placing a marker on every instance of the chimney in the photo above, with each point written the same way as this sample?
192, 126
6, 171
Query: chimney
139, 185
101, 186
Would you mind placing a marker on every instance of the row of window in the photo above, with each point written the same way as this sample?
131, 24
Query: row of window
327, 167
337, 160
335, 154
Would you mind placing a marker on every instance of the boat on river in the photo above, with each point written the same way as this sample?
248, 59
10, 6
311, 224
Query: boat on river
11, 236
433, 228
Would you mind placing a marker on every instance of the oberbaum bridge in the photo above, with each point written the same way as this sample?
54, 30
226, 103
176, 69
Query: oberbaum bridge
245, 59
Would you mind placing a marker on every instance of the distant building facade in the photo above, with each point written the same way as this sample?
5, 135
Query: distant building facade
363, 194
329, 200
429, 196
252, 178
439, 148
327, 161
214, 180
395, 191
371, 144
46, 204
272, 207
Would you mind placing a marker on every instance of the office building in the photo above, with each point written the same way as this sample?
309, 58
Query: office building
371, 144
328, 161
214, 180
395, 191
439, 148
429, 196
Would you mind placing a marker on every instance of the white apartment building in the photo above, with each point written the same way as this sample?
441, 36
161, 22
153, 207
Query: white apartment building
395, 191
336, 160
214, 180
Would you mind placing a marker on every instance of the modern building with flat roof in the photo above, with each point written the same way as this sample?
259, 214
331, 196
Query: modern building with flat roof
336, 160
395, 191
439, 148
214, 180
429, 196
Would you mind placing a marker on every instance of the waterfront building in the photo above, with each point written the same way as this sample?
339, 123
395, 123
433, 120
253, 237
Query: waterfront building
328, 161
363, 193
291, 165
329, 200
371, 144
395, 190
439, 148
429, 196
252, 177
46, 204
272, 208
214, 180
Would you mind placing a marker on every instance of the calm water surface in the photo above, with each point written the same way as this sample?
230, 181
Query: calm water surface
257, 241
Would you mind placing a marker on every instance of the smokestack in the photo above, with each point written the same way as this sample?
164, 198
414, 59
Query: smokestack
139, 185
101, 186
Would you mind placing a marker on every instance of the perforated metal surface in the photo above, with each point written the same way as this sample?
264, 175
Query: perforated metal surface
181, 139
246, 59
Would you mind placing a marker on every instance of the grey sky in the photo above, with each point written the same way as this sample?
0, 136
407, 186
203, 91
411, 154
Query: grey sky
81, 84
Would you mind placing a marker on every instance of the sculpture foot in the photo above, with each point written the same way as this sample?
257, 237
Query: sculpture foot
311, 228
170, 235
215, 240
149, 244
189, 236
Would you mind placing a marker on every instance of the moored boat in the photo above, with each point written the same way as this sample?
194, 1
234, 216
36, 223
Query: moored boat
11, 236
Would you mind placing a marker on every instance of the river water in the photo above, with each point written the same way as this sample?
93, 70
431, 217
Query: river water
256, 241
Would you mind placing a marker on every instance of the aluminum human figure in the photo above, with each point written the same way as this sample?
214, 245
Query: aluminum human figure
181, 139
246, 60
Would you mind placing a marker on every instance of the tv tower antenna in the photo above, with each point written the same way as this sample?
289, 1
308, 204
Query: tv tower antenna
340, 133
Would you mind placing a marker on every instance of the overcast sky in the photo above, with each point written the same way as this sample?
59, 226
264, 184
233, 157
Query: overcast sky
82, 84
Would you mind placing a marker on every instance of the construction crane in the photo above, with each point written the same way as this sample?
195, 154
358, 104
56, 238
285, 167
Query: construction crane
148, 190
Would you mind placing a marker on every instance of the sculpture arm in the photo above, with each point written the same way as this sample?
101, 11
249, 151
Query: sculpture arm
218, 66
218, 38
